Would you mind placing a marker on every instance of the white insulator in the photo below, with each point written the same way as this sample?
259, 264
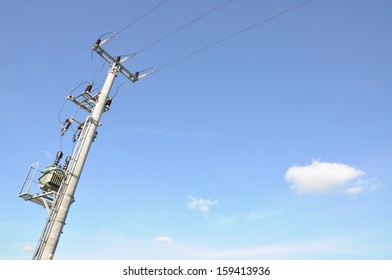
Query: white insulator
147, 74
105, 41
125, 59
128, 57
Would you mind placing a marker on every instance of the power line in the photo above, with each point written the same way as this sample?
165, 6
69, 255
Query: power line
185, 25
130, 24
235, 34
139, 18
92, 65
114, 34
65, 101
118, 89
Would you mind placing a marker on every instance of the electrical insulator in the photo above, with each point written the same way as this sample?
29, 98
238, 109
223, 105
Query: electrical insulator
67, 161
101, 43
77, 133
108, 103
89, 87
59, 155
66, 125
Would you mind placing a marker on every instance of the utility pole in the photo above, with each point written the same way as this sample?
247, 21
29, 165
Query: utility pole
59, 185
87, 137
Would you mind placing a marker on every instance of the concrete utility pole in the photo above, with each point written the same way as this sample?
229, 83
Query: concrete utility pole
87, 137
59, 185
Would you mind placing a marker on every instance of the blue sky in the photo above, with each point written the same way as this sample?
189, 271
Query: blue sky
274, 144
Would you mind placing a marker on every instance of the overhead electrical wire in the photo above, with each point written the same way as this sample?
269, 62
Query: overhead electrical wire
191, 22
183, 26
118, 89
62, 108
142, 16
92, 65
178, 29
65, 101
114, 34
234, 34
133, 22
92, 53
173, 32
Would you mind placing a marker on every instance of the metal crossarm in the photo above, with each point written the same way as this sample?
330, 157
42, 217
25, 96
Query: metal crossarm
105, 55
86, 101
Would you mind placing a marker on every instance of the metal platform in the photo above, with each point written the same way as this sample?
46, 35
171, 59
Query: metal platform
45, 198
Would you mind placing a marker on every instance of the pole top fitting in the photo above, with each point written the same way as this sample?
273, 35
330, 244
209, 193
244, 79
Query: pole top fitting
97, 42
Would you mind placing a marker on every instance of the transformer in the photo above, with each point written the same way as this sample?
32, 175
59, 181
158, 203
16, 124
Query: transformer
51, 178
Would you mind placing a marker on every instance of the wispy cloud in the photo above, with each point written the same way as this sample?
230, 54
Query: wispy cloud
323, 177
363, 186
149, 129
27, 248
253, 216
202, 134
166, 240
354, 191
201, 204
250, 216
47, 154
122, 247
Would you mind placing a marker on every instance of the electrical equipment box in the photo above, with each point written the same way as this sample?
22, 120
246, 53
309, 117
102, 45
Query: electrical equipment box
51, 180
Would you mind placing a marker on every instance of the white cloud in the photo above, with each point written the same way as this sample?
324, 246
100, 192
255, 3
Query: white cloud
202, 205
362, 186
321, 177
370, 185
27, 248
354, 191
165, 240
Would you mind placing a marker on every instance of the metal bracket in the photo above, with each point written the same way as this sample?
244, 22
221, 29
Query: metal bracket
93, 121
86, 101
